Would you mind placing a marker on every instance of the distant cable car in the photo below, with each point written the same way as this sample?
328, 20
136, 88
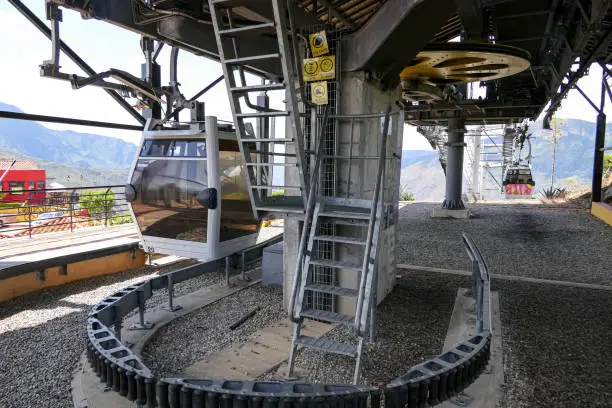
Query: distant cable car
518, 179
188, 193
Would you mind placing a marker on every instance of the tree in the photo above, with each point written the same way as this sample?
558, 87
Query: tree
554, 137
97, 202
607, 163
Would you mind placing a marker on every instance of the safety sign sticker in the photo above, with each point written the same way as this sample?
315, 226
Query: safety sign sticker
319, 68
318, 92
318, 44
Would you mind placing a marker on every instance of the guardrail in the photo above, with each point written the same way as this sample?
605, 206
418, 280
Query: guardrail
25, 212
426, 384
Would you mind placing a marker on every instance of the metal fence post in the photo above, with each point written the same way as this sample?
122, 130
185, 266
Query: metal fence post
227, 271
105, 209
243, 262
70, 209
29, 217
142, 323
171, 306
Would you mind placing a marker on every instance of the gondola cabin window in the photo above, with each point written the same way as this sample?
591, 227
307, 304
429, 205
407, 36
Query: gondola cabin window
173, 148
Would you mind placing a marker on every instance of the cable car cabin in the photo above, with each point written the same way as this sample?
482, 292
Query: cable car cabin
188, 193
518, 182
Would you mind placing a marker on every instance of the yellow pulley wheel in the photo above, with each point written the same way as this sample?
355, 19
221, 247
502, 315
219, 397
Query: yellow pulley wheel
460, 63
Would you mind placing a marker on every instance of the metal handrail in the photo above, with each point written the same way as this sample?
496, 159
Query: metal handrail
373, 214
310, 204
27, 209
481, 285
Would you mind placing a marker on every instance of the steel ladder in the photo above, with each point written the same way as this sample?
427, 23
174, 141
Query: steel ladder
259, 152
366, 215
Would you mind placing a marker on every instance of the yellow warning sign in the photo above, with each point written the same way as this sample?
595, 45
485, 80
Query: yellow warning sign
318, 92
318, 44
319, 69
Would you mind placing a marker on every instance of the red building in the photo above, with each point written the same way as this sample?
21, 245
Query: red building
21, 178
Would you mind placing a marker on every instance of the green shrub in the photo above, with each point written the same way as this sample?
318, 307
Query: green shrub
121, 219
406, 195
97, 202
554, 192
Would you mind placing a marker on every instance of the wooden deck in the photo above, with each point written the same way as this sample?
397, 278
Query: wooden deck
40, 251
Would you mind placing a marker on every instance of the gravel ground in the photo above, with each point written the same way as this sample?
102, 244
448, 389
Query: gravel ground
161, 296
534, 241
411, 328
205, 330
42, 336
556, 343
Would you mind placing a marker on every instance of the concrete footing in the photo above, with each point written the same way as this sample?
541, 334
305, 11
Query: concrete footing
487, 390
87, 390
446, 213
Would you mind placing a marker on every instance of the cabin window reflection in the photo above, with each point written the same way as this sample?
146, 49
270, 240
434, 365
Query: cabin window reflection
173, 148
166, 204
236, 212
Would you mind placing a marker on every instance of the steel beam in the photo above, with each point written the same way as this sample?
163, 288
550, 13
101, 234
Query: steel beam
42, 27
472, 19
67, 121
196, 96
335, 13
394, 35
600, 137
585, 64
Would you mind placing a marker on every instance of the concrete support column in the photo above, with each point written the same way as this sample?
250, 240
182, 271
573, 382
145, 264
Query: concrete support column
476, 186
356, 180
600, 135
454, 164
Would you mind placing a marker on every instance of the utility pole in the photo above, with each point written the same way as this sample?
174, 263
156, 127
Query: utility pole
556, 135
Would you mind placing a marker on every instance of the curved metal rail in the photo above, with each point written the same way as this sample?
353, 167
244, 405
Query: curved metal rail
426, 384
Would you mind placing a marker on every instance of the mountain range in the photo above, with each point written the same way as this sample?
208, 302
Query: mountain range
81, 158
82, 150
422, 174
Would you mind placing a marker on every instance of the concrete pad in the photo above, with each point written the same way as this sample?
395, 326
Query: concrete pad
264, 351
88, 391
602, 211
487, 390
446, 213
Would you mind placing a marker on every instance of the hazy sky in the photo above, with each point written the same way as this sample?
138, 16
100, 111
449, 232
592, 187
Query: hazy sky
103, 46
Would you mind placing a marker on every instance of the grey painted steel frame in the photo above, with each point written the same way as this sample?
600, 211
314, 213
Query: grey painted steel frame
427, 384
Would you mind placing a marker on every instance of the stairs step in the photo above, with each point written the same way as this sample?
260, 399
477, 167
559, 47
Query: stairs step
344, 213
294, 209
253, 140
329, 317
272, 164
262, 114
256, 88
252, 58
327, 346
346, 221
334, 290
231, 3
274, 153
335, 264
264, 28
268, 187
340, 240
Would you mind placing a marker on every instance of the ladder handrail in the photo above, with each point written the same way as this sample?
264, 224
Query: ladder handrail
243, 81
295, 53
373, 213
310, 204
